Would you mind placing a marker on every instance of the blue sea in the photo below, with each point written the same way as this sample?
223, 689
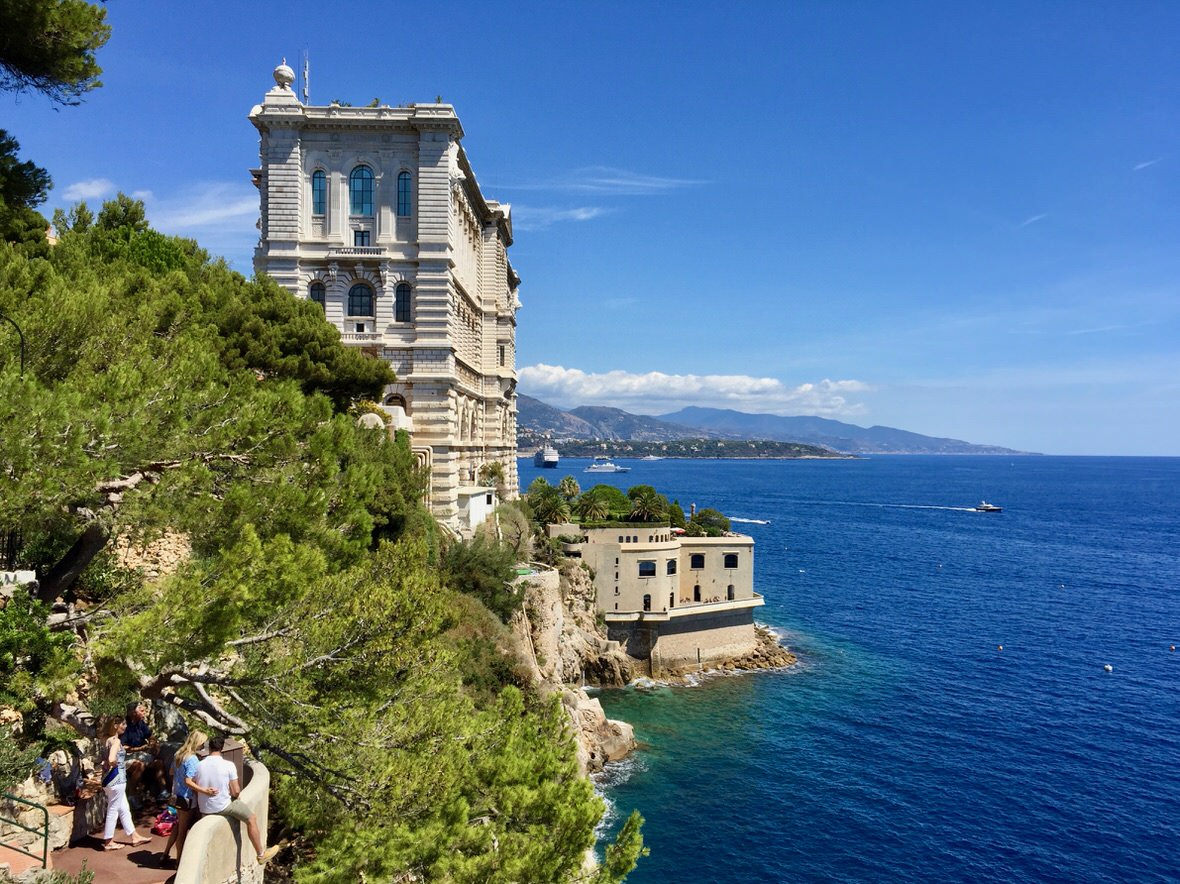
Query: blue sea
951, 717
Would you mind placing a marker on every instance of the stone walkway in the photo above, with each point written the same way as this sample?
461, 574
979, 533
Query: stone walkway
131, 865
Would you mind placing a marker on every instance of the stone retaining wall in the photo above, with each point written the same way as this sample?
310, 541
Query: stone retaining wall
217, 850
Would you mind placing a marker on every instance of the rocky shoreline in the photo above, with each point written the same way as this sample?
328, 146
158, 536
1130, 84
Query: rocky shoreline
562, 644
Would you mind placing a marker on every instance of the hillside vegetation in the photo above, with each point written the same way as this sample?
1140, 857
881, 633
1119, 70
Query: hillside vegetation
320, 616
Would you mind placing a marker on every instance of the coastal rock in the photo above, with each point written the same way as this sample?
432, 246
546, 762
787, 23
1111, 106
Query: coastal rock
559, 645
769, 653
600, 739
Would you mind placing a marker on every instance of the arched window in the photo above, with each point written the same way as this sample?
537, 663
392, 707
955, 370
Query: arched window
319, 192
696, 561
729, 592
360, 191
671, 600
360, 300
671, 566
403, 194
401, 302
315, 292
731, 560
696, 593
647, 603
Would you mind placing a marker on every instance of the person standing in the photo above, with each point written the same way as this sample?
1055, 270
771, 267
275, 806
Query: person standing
184, 790
217, 792
114, 785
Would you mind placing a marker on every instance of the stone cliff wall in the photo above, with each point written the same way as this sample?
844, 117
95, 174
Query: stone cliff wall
563, 649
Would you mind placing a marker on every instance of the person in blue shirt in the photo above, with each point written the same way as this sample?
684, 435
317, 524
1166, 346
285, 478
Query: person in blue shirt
184, 790
143, 758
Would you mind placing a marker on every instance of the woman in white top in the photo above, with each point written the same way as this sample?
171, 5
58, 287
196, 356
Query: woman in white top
114, 784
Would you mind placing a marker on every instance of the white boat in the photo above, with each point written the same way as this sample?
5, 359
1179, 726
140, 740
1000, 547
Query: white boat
604, 465
652, 457
985, 507
546, 458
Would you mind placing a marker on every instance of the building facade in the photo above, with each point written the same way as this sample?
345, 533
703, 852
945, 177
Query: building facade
674, 600
375, 214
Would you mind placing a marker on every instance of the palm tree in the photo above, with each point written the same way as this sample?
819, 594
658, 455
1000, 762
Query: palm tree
592, 508
549, 507
647, 506
569, 488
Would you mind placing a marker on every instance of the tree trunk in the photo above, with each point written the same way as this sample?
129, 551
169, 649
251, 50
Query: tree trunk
63, 575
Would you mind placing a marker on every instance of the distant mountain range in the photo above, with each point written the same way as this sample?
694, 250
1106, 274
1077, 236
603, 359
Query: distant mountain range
538, 422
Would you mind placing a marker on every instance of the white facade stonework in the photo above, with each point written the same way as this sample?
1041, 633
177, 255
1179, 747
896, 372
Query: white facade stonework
411, 264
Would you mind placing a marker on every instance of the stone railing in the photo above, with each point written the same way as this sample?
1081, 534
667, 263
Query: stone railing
355, 251
217, 850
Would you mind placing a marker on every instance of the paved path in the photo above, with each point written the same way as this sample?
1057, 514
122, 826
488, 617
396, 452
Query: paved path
131, 865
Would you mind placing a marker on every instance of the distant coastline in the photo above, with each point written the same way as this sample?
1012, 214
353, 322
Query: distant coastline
688, 449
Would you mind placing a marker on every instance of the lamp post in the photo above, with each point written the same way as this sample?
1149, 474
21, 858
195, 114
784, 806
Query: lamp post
21, 334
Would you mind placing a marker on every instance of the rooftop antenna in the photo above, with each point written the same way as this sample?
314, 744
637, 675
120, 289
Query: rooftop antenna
306, 79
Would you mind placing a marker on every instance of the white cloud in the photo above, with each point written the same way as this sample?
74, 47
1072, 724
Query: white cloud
205, 206
1147, 165
540, 217
656, 392
90, 189
1032, 219
608, 181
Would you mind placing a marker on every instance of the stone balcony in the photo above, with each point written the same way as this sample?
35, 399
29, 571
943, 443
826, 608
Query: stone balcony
360, 337
355, 251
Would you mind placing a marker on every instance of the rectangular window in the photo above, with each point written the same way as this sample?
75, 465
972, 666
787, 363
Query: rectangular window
319, 192
501, 349
360, 327
403, 194
696, 561
360, 237
647, 568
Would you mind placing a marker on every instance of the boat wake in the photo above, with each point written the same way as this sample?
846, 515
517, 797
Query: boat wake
900, 506
750, 521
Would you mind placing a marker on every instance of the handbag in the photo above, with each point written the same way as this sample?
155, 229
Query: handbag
109, 776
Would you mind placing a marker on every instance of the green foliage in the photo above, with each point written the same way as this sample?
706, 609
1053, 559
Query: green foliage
49, 46
483, 650
618, 504
623, 855
708, 522
84, 876
34, 662
676, 515
16, 761
547, 504
483, 568
23, 187
316, 615
647, 505
569, 488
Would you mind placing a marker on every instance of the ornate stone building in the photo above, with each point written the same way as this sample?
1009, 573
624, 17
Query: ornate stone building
375, 213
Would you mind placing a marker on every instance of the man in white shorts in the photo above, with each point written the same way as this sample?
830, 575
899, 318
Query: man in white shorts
217, 792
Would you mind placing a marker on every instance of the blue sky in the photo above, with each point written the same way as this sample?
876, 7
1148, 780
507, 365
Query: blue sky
957, 219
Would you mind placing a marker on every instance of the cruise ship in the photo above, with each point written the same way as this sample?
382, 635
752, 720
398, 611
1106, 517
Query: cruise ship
546, 457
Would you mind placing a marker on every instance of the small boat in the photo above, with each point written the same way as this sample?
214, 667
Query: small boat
604, 465
651, 457
546, 458
985, 507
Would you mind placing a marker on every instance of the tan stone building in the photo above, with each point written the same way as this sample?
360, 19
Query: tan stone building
375, 213
671, 599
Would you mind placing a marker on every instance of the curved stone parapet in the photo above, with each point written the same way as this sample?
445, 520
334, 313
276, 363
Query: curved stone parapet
217, 850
